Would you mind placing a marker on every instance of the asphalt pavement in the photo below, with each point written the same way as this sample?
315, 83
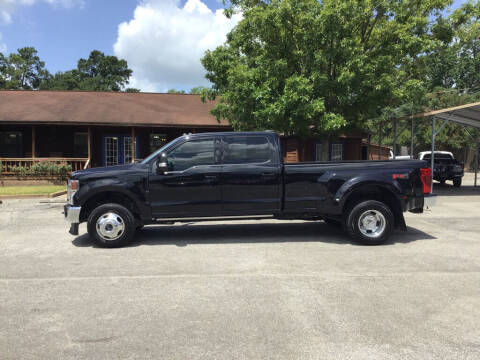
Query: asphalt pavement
242, 290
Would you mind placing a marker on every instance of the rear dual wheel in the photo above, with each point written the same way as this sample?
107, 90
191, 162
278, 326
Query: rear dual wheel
370, 222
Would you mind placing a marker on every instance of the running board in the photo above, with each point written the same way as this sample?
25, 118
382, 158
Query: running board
211, 218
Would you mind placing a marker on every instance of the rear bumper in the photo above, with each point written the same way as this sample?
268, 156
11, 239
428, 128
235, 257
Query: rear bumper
429, 201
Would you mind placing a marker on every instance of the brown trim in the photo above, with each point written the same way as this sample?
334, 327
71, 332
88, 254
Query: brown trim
186, 126
133, 144
89, 144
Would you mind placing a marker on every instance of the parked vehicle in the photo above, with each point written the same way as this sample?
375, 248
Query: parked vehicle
230, 175
445, 166
398, 157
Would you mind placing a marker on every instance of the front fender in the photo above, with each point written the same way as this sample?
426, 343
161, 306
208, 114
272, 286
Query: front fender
132, 190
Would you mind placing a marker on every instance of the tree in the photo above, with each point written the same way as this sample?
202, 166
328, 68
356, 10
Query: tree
97, 73
198, 90
22, 70
303, 66
174, 91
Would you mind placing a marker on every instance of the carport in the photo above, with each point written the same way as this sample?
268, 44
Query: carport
467, 115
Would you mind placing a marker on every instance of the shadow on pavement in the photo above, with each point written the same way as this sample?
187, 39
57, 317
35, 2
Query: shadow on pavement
250, 233
450, 190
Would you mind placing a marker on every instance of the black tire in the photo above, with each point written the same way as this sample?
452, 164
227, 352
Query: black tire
124, 219
370, 210
457, 182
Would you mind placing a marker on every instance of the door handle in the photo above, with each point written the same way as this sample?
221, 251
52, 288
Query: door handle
268, 174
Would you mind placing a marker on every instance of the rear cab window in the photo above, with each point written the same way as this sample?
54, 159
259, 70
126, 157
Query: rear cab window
247, 150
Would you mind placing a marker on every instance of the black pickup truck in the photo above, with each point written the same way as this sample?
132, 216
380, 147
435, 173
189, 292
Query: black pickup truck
233, 175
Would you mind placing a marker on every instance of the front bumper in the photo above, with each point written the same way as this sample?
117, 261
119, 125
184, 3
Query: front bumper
72, 213
72, 216
429, 201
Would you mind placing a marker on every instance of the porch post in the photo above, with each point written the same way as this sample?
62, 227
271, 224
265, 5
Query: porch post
476, 160
33, 141
133, 144
89, 144
411, 139
369, 140
432, 156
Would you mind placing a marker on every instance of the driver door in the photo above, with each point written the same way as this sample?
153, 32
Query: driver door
190, 187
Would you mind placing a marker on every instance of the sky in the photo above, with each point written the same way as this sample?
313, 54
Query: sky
162, 40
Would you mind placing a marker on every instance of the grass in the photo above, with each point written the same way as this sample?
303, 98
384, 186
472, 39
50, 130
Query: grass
31, 190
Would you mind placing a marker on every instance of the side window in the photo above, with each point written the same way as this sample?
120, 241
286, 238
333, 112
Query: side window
246, 149
191, 153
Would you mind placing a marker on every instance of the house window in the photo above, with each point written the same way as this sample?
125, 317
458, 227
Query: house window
80, 145
337, 152
157, 141
11, 144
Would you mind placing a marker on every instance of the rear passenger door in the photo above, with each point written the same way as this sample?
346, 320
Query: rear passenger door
251, 175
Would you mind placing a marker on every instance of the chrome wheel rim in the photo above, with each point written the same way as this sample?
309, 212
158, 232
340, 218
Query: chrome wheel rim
372, 223
110, 226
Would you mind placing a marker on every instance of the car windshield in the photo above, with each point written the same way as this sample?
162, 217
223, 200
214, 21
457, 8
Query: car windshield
159, 151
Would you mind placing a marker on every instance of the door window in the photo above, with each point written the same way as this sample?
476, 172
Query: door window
111, 151
127, 150
246, 150
191, 153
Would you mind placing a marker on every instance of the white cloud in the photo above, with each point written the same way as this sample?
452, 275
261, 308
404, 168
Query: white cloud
164, 42
8, 7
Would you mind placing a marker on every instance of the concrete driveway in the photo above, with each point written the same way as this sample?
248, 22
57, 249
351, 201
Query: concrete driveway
252, 290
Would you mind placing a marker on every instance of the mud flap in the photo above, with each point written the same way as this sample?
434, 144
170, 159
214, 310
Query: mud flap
73, 229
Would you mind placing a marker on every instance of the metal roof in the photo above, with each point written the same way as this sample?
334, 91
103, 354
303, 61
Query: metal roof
468, 114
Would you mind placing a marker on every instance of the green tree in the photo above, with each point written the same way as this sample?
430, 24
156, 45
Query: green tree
174, 91
99, 72
303, 66
22, 70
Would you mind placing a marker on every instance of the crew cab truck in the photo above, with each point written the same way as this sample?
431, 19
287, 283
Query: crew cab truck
445, 166
241, 175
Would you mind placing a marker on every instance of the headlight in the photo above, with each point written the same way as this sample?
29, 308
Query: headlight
72, 188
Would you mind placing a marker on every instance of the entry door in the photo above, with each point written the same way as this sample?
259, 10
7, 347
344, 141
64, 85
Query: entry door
190, 187
117, 150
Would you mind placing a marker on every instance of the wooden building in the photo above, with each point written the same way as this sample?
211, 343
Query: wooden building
91, 129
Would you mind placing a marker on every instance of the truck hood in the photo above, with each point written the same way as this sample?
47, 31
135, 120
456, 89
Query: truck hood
109, 171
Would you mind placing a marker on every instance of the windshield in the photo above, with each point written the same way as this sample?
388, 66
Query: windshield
159, 151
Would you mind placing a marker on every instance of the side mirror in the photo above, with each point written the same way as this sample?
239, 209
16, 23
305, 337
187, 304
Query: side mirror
162, 164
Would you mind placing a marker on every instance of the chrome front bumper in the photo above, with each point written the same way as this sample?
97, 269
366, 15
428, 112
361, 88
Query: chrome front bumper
429, 201
72, 213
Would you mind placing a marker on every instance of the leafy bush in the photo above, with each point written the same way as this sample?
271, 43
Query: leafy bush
1, 167
43, 168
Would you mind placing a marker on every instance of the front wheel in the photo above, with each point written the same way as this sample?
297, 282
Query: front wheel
370, 222
457, 182
111, 225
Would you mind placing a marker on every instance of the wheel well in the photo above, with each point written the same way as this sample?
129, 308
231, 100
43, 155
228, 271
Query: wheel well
105, 198
379, 193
